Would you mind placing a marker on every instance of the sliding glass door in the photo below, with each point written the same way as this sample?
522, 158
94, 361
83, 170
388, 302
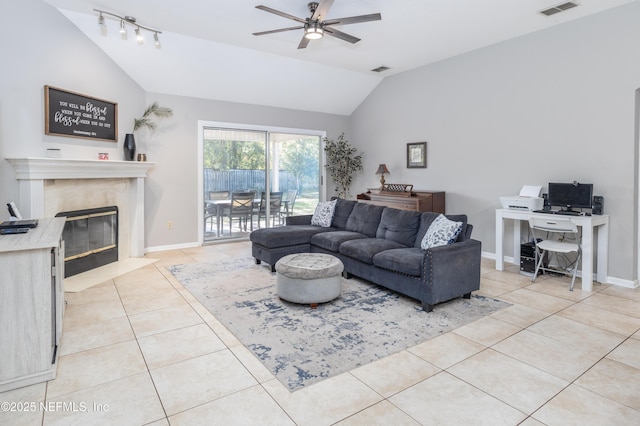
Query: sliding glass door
278, 171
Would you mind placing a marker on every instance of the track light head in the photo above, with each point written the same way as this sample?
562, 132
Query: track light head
103, 27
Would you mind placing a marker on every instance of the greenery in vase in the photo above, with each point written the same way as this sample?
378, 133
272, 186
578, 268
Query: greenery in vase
153, 111
342, 163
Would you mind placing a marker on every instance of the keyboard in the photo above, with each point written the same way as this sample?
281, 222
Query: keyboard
563, 212
27, 223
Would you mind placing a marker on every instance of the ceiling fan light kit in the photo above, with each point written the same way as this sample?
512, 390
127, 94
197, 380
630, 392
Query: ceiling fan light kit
316, 26
313, 32
124, 20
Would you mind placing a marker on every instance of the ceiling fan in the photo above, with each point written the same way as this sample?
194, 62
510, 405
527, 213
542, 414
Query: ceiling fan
317, 26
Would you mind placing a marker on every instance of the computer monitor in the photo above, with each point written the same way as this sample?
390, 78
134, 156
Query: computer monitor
571, 196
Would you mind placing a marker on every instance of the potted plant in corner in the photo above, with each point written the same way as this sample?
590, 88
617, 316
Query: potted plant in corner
146, 121
342, 163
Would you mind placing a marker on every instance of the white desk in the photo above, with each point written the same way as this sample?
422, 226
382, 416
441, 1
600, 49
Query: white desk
588, 224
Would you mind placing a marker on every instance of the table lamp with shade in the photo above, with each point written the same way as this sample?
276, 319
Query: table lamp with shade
382, 169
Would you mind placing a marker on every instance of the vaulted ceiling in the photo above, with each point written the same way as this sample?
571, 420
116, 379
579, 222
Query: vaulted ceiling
208, 49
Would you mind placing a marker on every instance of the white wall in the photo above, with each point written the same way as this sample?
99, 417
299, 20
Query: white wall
40, 46
171, 190
557, 105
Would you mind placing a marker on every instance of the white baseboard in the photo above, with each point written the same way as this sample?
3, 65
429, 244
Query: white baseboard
610, 280
623, 283
172, 247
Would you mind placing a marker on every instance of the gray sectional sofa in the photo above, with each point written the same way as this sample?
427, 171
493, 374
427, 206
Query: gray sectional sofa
382, 245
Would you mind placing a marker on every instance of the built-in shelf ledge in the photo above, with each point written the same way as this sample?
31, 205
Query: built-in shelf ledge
32, 172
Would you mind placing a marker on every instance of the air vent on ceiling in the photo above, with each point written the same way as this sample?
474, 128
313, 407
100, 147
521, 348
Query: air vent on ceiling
558, 8
380, 69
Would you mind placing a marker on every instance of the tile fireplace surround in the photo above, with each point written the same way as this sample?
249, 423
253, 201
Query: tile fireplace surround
48, 186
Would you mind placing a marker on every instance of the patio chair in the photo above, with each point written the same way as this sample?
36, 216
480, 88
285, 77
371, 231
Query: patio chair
241, 207
212, 210
219, 195
275, 204
289, 202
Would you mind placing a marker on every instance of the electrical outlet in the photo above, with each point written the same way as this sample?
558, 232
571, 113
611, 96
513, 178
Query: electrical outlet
170, 224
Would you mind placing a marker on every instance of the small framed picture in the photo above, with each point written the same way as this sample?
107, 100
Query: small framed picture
417, 155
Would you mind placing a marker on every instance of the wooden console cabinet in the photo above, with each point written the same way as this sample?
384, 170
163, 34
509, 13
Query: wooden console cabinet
420, 201
31, 304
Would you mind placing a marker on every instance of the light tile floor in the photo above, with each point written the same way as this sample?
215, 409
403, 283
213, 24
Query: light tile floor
140, 349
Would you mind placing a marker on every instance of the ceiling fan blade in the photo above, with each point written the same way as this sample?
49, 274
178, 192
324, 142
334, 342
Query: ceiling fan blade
322, 9
284, 15
353, 19
303, 43
342, 36
279, 30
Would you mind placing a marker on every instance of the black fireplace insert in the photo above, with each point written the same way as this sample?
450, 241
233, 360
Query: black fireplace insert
90, 239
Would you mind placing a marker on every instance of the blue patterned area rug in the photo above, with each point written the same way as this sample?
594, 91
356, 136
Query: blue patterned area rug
302, 346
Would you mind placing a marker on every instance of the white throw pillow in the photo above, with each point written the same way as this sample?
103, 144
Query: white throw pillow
442, 231
324, 214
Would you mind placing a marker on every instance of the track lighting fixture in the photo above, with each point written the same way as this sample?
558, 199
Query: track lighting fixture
124, 20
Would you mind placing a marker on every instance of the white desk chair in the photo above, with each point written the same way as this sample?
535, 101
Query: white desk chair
557, 231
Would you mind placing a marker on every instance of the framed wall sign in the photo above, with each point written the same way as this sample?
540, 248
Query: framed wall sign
417, 155
78, 116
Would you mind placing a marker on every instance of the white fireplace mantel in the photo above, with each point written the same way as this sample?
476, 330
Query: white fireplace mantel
60, 168
32, 172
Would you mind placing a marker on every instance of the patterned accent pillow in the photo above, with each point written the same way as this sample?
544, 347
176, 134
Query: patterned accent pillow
324, 214
441, 232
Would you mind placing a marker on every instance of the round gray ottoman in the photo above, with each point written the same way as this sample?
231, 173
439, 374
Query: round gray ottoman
309, 278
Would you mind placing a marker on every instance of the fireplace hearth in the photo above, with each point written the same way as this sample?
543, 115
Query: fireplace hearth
90, 238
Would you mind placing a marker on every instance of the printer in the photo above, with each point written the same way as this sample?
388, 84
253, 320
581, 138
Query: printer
529, 199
